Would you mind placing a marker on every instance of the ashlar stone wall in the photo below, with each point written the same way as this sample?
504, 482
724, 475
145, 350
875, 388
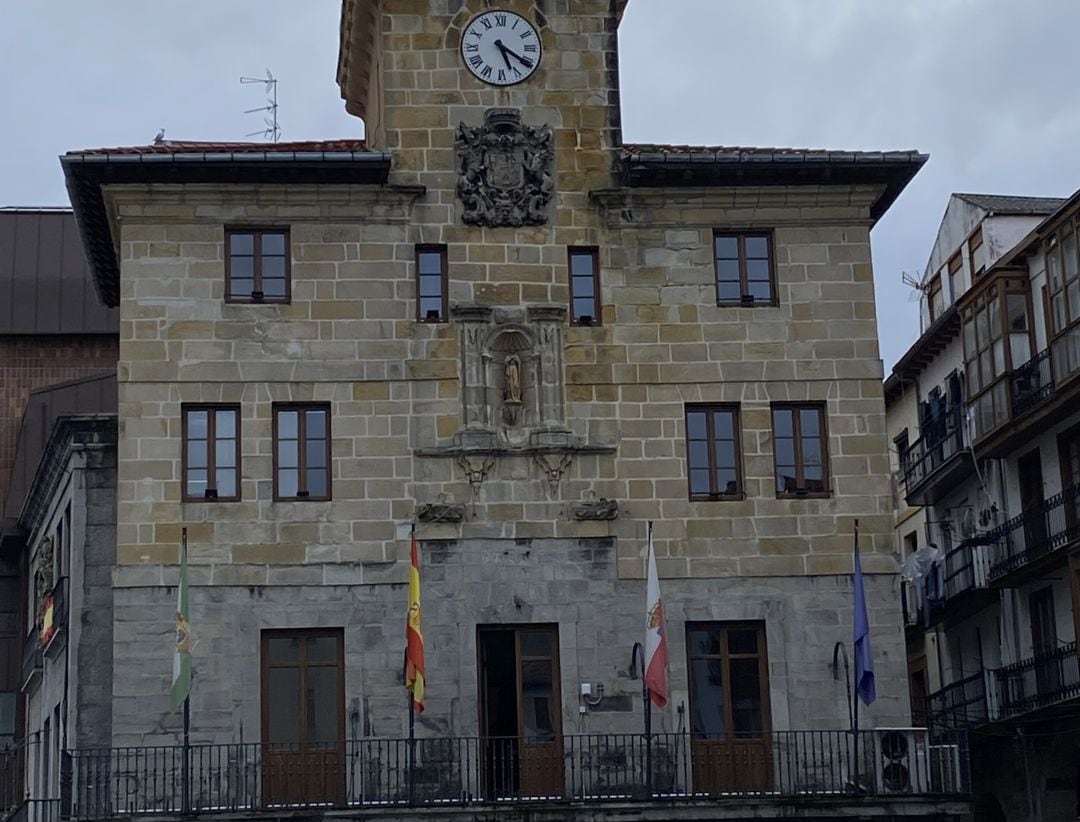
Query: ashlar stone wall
349, 337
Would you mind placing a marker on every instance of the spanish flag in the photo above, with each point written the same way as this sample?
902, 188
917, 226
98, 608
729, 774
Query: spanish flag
414, 639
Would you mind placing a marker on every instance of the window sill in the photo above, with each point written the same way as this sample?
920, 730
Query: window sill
754, 304
739, 497
302, 499
264, 301
196, 500
804, 494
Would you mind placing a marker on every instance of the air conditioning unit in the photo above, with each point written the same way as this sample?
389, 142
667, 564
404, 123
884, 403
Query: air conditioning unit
946, 769
902, 760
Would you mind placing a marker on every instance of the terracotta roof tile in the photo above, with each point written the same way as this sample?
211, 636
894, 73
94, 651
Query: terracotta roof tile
210, 146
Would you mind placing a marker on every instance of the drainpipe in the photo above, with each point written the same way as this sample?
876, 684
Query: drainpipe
1034, 812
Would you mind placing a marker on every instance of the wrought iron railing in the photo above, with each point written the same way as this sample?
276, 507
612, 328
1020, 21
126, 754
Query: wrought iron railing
1032, 383
585, 768
934, 449
1037, 532
1002, 693
962, 704
1038, 681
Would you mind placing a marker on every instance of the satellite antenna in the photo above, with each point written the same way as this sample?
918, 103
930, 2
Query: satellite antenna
272, 130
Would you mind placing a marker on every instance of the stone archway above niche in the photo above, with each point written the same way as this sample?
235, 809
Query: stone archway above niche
513, 397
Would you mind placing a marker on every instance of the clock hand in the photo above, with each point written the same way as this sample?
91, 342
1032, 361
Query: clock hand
525, 61
504, 50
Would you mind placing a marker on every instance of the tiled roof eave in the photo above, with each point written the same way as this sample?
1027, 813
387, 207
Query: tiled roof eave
88, 172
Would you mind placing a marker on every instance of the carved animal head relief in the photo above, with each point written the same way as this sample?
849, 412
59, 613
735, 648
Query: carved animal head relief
505, 173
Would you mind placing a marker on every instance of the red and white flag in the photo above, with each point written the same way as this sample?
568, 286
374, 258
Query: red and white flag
656, 651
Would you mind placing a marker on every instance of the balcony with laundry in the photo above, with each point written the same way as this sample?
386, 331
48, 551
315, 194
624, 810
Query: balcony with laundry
938, 459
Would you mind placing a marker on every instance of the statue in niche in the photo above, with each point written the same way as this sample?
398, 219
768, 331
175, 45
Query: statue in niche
513, 379
512, 389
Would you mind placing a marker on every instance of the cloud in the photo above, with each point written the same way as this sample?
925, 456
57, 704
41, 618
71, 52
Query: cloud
987, 87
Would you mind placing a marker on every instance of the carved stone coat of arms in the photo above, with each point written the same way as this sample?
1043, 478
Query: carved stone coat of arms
504, 167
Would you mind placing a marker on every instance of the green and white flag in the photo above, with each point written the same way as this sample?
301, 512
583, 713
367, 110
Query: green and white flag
181, 678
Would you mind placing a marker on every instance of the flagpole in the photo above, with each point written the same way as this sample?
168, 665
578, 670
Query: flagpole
648, 695
186, 799
855, 701
411, 773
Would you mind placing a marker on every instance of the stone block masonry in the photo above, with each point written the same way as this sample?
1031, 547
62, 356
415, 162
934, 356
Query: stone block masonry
569, 582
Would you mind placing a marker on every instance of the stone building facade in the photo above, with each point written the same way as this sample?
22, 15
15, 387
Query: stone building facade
527, 426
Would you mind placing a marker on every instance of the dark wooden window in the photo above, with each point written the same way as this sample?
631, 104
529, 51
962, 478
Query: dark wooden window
584, 267
800, 447
302, 451
936, 298
976, 254
956, 268
257, 265
211, 452
713, 453
902, 445
745, 268
431, 284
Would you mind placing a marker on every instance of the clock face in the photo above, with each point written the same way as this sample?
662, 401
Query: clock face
501, 48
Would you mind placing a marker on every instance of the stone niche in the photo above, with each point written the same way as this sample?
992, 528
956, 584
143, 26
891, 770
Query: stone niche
512, 394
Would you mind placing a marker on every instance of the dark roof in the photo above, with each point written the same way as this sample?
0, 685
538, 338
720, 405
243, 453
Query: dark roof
45, 285
1007, 204
930, 343
667, 165
328, 162
90, 395
217, 147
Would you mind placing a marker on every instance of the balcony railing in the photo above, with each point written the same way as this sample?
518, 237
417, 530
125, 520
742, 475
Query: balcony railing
963, 571
963, 704
464, 771
1042, 680
1032, 384
934, 449
1036, 533
1003, 693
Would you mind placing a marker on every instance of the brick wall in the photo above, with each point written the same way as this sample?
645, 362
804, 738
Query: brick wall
27, 363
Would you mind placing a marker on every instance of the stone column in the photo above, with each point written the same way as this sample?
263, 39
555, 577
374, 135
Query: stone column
549, 321
473, 320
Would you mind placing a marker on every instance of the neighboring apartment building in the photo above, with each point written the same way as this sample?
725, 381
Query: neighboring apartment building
985, 421
52, 330
498, 323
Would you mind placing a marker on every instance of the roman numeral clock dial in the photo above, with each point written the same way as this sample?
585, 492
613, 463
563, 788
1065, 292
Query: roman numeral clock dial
501, 48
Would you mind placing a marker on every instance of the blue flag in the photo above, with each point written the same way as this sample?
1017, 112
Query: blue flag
864, 656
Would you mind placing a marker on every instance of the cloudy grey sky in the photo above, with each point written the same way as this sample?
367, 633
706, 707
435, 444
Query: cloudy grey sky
986, 87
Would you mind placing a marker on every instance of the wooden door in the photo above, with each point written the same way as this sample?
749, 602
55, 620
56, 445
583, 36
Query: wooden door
1044, 642
729, 708
520, 712
539, 713
1031, 503
303, 717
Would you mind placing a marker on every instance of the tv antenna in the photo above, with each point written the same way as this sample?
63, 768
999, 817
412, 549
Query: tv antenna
918, 288
272, 129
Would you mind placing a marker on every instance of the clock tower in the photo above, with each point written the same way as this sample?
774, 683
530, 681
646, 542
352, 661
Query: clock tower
420, 71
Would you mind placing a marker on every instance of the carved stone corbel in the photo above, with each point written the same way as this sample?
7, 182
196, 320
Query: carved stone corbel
476, 470
553, 466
